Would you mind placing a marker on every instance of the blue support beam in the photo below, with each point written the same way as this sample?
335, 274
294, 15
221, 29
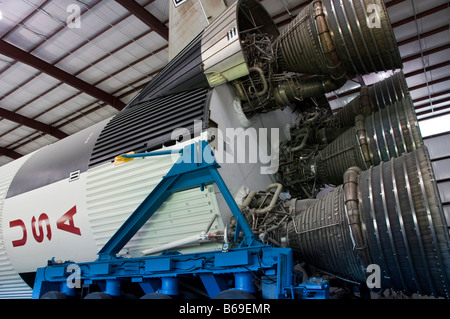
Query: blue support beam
162, 274
195, 167
213, 284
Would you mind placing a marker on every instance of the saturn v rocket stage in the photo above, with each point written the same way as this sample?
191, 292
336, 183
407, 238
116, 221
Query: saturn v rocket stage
67, 199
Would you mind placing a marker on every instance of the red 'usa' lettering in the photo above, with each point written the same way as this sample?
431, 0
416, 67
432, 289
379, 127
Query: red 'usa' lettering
41, 227
66, 223
39, 237
21, 224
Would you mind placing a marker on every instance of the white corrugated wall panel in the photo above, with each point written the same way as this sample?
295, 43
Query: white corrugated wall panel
114, 192
11, 284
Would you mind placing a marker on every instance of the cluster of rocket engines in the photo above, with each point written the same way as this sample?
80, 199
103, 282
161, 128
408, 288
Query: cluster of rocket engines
381, 206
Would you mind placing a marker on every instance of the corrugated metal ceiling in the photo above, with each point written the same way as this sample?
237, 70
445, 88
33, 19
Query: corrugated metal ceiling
56, 80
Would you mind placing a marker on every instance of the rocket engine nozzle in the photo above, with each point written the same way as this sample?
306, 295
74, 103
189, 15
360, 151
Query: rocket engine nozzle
339, 37
393, 218
331, 40
244, 47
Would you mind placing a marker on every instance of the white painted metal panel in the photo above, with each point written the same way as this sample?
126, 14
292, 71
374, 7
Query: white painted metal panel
114, 192
48, 222
11, 284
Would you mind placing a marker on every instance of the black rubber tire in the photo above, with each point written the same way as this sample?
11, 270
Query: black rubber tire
53, 295
234, 294
98, 295
155, 295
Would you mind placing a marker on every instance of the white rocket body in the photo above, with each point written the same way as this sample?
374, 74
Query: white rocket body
73, 217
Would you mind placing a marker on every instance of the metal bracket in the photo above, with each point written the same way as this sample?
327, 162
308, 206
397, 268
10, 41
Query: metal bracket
195, 167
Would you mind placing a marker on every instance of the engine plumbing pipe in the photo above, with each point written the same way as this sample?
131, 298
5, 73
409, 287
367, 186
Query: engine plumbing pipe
273, 202
328, 48
351, 200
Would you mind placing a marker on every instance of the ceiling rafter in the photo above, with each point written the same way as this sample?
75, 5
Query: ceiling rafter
435, 102
39, 126
55, 32
422, 85
428, 68
424, 35
434, 113
420, 15
10, 153
149, 19
82, 113
433, 96
433, 109
86, 67
407, 75
393, 3
426, 52
123, 93
43, 66
26, 18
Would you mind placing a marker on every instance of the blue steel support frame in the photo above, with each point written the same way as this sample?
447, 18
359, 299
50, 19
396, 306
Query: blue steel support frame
196, 166
161, 273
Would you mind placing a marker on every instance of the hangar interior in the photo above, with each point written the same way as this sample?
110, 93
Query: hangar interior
117, 50
69, 65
